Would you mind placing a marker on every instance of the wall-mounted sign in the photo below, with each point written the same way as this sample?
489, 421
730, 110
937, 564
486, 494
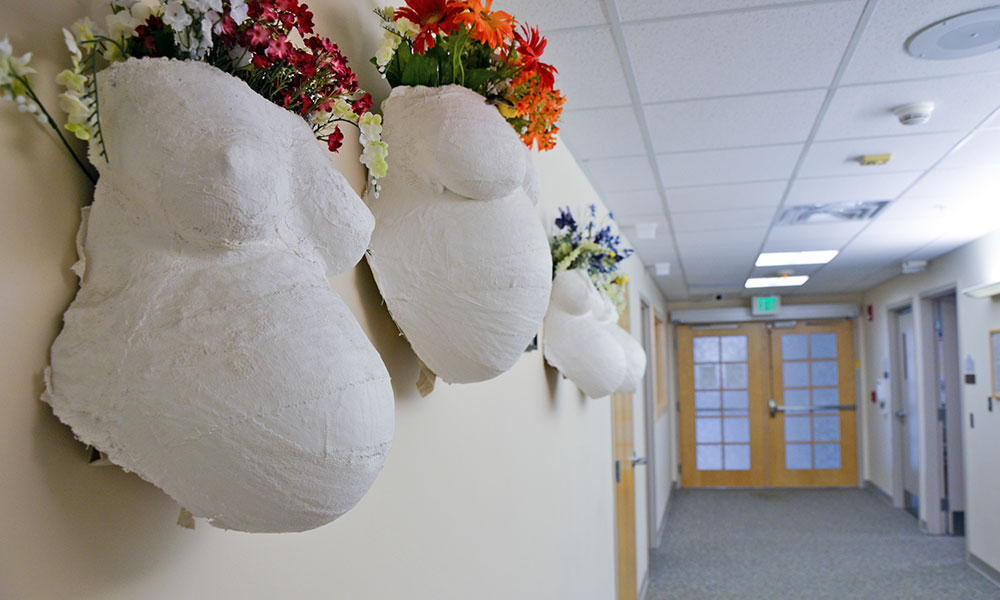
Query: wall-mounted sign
765, 305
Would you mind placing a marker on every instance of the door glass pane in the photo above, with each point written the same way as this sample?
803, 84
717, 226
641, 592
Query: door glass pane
706, 349
823, 345
735, 375
798, 456
734, 348
708, 430
827, 456
795, 374
824, 372
737, 430
794, 346
707, 399
736, 399
826, 428
826, 397
706, 377
737, 457
797, 398
797, 429
709, 458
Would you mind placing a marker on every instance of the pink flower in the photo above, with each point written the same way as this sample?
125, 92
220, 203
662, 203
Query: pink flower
278, 48
259, 35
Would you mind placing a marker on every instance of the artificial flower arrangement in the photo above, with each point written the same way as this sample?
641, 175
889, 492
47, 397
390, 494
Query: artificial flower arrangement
582, 337
205, 350
249, 39
594, 248
464, 42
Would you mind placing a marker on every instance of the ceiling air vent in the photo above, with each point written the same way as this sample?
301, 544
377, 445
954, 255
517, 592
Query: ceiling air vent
831, 213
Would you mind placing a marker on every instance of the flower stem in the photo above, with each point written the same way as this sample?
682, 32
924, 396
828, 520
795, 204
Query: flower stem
31, 92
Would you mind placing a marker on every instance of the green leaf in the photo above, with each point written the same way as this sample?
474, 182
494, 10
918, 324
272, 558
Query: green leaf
476, 79
419, 70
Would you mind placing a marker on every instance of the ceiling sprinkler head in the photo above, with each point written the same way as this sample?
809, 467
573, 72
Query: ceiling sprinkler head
915, 113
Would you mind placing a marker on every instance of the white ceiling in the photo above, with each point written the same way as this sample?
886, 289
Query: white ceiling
708, 117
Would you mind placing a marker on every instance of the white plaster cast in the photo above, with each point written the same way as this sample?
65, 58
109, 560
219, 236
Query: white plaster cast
205, 350
458, 251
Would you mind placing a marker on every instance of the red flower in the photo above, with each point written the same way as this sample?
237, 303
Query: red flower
278, 48
335, 139
530, 47
292, 5
433, 16
259, 35
227, 26
362, 104
305, 20
260, 61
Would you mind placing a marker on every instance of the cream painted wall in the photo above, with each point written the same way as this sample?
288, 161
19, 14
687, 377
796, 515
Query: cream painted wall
492, 491
967, 266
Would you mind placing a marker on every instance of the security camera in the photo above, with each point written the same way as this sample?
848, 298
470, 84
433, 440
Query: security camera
915, 113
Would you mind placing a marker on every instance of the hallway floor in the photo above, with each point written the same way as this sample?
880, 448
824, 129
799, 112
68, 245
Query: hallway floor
805, 544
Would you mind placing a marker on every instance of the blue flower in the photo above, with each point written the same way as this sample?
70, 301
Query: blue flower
566, 220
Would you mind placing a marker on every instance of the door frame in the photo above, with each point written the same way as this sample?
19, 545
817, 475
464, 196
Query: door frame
895, 428
646, 311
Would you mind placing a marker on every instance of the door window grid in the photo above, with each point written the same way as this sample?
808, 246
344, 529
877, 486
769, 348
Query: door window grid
810, 379
722, 403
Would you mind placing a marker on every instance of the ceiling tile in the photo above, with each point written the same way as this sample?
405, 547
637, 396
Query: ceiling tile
909, 153
993, 122
961, 102
822, 190
654, 251
590, 71
709, 241
721, 197
981, 149
723, 219
728, 166
796, 47
555, 14
601, 133
632, 10
620, 174
826, 236
956, 183
881, 56
731, 122
629, 204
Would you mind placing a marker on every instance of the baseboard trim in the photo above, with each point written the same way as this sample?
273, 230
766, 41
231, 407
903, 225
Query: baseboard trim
983, 568
882, 494
644, 590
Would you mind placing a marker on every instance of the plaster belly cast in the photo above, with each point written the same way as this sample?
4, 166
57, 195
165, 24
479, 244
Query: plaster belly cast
458, 252
205, 350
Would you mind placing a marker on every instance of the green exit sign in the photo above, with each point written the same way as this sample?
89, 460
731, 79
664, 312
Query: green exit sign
765, 305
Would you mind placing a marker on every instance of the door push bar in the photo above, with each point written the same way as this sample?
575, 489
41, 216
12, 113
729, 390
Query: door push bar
775, 408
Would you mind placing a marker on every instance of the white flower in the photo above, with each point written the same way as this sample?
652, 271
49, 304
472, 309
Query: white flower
143, 9
76, 110
5, 48
19, 66
407, 28
342, 110
240, 54
72, 81
84, 30
176, 16
370, 125
71, 45
238, 10
387, 47
215, 5
121, 25
374, 156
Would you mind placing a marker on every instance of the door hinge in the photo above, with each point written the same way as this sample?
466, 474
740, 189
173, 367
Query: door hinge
942, 414
944, 505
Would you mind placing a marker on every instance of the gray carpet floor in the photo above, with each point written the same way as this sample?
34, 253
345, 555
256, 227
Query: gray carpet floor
808, 544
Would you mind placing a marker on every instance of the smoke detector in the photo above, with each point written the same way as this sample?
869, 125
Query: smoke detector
959, 36
915, 113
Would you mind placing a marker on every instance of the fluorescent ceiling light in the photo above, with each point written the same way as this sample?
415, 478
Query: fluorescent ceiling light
766, 282
983, 291
777, 259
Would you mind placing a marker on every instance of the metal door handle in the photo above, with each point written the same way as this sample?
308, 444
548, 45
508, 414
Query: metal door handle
900, 413
775, 408
618, 471
638, 460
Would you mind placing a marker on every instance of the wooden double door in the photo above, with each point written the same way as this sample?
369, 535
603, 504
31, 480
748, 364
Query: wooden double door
767, 406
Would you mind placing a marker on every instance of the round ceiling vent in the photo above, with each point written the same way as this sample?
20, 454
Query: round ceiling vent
967, 34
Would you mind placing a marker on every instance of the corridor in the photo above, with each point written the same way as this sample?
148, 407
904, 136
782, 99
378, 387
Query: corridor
805, 544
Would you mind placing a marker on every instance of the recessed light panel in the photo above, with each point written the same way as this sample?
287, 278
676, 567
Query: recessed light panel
767, 282
813, 257
960, 36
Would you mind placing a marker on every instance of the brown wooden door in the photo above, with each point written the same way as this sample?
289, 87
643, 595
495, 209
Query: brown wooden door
728, 377
624, 448
723, 379
813, 427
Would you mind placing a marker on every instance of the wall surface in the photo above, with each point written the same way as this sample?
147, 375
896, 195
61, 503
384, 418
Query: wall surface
970, 265
492, 491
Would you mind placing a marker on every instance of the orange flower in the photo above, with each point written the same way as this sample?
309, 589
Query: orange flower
539, 107
491, 28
